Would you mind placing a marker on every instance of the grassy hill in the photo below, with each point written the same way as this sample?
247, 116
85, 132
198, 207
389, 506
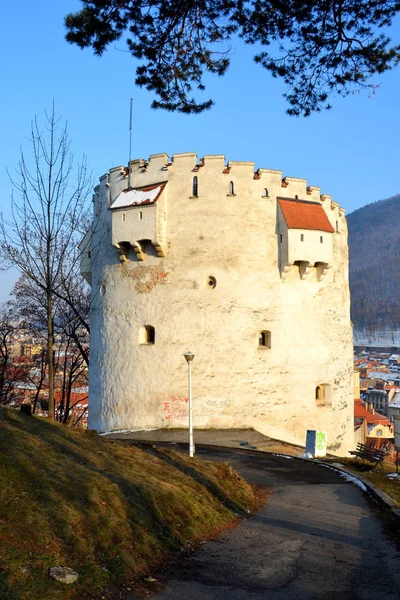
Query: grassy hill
109, 511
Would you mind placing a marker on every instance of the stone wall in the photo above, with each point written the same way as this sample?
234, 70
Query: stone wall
219, 285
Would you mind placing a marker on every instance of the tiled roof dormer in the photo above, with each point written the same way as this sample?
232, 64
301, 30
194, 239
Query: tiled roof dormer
300, 214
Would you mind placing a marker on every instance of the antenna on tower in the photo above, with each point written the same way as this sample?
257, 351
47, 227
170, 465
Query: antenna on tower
130, 145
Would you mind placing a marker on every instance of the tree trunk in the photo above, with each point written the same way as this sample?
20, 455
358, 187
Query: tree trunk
50, 355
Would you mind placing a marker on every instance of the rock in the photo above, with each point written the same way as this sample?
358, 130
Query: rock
63, 574
150, 579
26, 409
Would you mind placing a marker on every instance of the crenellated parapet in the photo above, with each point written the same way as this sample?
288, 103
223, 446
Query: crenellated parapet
137, 200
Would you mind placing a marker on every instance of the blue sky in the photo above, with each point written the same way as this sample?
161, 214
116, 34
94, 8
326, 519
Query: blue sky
350, 151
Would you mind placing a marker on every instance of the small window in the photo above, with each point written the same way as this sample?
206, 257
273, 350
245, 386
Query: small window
264, 339
89, 254
211, 282
195, 188
140, 215
147, 335
321, 239
323, 394
280, 238
102, 289
266, 194
231, 188
302, 237
337, 226
123, 216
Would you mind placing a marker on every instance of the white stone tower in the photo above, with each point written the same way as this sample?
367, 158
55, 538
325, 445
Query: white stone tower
247, 270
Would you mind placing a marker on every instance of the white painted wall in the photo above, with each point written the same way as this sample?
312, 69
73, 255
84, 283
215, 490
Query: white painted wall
236, 383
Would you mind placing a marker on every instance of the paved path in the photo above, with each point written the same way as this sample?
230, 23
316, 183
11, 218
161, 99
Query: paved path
317, 537
228, 438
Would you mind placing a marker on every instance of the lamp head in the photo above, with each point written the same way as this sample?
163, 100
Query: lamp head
189, 356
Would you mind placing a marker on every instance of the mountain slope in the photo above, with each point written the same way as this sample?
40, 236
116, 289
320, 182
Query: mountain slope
374, 251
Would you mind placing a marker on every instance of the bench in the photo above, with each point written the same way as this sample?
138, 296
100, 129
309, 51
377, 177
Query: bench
367, 453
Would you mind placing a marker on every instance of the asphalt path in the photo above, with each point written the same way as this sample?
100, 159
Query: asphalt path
317, 537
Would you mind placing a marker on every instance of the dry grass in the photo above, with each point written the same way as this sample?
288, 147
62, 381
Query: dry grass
377, 475
110, 511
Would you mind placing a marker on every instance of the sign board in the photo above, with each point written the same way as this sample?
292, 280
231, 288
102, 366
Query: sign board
397, 432
316, 443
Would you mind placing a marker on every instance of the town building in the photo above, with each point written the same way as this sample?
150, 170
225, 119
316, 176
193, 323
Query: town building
246, 269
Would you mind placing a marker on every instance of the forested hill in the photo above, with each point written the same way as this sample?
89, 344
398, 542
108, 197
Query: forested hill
374, 246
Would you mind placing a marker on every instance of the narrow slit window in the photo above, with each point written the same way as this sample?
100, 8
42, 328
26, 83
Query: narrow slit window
337, 226
140, 215
266, 194
123, 216
195, 187
302, 237
321, 239
231, 188
264, 339
147, 335
280, 238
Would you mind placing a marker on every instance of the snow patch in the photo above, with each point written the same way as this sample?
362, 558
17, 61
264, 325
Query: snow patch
346, 476
127, 431
283, 456
136, 197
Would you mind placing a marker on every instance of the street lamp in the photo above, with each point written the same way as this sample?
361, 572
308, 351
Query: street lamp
189, 358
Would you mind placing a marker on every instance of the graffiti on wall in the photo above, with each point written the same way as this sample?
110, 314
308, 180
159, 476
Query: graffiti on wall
175, 408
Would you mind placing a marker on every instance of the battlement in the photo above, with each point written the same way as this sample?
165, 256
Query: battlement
159, 168
145, 198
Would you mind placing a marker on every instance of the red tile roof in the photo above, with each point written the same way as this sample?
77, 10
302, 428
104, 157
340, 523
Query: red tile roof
363, 413
299, 214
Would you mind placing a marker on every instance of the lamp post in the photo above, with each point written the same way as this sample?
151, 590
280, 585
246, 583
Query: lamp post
189, 358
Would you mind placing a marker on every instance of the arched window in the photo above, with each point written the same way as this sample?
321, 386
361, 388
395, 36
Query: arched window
195, 189
231, 188
147, 335
323, 394
264, 339
266, 193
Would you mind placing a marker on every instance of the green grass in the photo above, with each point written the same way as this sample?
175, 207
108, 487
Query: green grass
108, 510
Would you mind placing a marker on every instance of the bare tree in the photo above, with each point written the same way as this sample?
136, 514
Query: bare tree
71, 335
14, 369
46, 218
6, 337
